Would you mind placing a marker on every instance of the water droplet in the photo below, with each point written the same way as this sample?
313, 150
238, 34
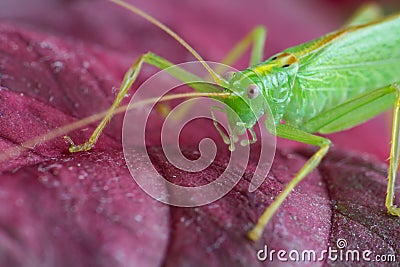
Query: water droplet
44, 45
57, 66
43, 179
99, 209
56, 183
82, 175
138, 218
86, 64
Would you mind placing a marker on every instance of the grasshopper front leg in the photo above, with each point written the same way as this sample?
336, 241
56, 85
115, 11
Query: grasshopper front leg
129, 79
127, 82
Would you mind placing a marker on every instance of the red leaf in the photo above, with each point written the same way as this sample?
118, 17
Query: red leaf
60, 61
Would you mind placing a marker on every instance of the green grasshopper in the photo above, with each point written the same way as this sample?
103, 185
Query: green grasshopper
327, 85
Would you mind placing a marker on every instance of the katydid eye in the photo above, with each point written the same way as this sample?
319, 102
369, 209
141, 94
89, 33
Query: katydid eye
253, 91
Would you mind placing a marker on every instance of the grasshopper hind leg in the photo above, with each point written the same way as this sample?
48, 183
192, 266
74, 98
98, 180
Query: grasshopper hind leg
394, 157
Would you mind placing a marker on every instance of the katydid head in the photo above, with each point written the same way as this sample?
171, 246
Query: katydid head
257, 89
245, 105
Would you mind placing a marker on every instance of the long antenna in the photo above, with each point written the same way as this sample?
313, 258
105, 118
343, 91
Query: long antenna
174, 35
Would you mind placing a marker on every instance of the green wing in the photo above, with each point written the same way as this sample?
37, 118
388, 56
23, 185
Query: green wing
361, 56
341, 65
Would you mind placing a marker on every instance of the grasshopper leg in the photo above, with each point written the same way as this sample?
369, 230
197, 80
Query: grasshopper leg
344, 116
256, 38
394, 157
128, 80
288, 132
